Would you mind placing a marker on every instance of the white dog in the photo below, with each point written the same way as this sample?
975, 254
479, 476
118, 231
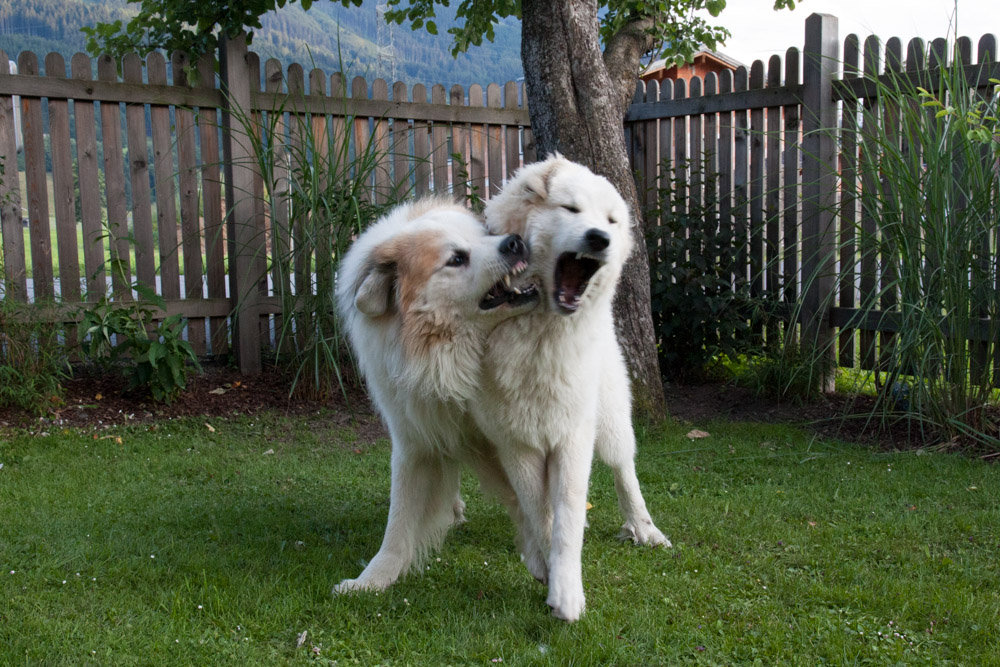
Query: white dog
555, 381
419, 292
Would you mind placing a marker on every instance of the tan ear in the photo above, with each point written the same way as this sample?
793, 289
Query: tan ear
374, 295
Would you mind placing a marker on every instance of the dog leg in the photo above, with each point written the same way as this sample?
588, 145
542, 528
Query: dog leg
421, 507
525, 467
568, 477
494, 482
615, 444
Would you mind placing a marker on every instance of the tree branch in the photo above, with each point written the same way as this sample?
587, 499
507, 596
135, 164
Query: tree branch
622, 54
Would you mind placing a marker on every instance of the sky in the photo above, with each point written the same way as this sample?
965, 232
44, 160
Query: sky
759, 31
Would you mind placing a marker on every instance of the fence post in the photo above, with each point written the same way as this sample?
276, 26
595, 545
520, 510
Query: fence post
245, 245
821, 58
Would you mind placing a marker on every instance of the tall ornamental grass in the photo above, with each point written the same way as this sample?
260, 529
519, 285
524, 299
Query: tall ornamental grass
319, 193
929, 196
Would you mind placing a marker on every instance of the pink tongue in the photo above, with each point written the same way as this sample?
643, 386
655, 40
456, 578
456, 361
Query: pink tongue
571, 278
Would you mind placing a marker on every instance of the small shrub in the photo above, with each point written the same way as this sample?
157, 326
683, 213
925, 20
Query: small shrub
112, 335
700, 310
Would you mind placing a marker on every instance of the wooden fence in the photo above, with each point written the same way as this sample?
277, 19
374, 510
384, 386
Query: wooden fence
202, 242
771, 132
782, 139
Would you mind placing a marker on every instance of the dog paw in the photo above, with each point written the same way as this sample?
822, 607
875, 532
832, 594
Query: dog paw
535, 562
358, 585
567, 601
458, 510
644, 532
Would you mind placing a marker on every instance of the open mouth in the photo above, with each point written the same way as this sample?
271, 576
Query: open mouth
573, 273
503, 292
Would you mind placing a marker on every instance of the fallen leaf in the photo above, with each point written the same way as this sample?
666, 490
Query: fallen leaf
270, 451
302, 639
237, 383
218, 392
211, 429
98, 397
812, 523
589, 506
697, 433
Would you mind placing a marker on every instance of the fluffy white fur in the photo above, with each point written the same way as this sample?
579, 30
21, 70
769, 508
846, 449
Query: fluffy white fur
554, 380
416, 324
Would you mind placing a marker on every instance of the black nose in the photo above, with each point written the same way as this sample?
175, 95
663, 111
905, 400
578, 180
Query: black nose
514, 245
597, 240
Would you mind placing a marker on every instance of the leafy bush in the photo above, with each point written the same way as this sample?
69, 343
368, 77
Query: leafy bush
33, 362
113, 335
700, 309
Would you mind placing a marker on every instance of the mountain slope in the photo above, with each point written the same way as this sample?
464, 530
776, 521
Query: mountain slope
328, 36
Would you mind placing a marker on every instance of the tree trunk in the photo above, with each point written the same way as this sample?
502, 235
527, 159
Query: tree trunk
577, 110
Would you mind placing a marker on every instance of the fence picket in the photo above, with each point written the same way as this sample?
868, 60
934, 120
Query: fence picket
849, 202
439, 143
512, 138
380, 137
790, 190
756, 141
651, 160
741, 83
138, 167
477, 143
211, 204
695, 175
163, 173
14, 265
187, 177
64, 199
402, 139
529, 146
362, 124
890, 124
36, 186
726, 140
421, 146
494, 138
772, 203
869, 198
460, 174
279, 193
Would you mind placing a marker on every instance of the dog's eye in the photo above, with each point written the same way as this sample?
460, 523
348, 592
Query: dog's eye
460, 258
612, 221
571, 208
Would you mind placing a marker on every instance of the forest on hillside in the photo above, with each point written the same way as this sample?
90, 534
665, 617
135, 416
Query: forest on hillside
328, 36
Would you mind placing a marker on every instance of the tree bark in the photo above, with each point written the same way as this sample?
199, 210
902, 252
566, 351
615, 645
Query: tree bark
577, 109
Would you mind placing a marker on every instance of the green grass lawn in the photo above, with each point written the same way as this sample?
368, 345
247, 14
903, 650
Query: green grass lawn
186, 546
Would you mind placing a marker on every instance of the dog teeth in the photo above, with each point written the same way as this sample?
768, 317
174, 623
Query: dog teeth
506, 280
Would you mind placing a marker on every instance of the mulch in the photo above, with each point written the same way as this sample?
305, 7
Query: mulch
99, 401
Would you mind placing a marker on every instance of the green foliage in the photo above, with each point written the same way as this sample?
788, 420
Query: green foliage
675, 26
936, 215
700, 309
33, 363
789, 372
181, 25
464, 182
123, 336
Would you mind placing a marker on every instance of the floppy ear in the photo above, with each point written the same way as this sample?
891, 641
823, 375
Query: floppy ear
374, 296
536, 183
